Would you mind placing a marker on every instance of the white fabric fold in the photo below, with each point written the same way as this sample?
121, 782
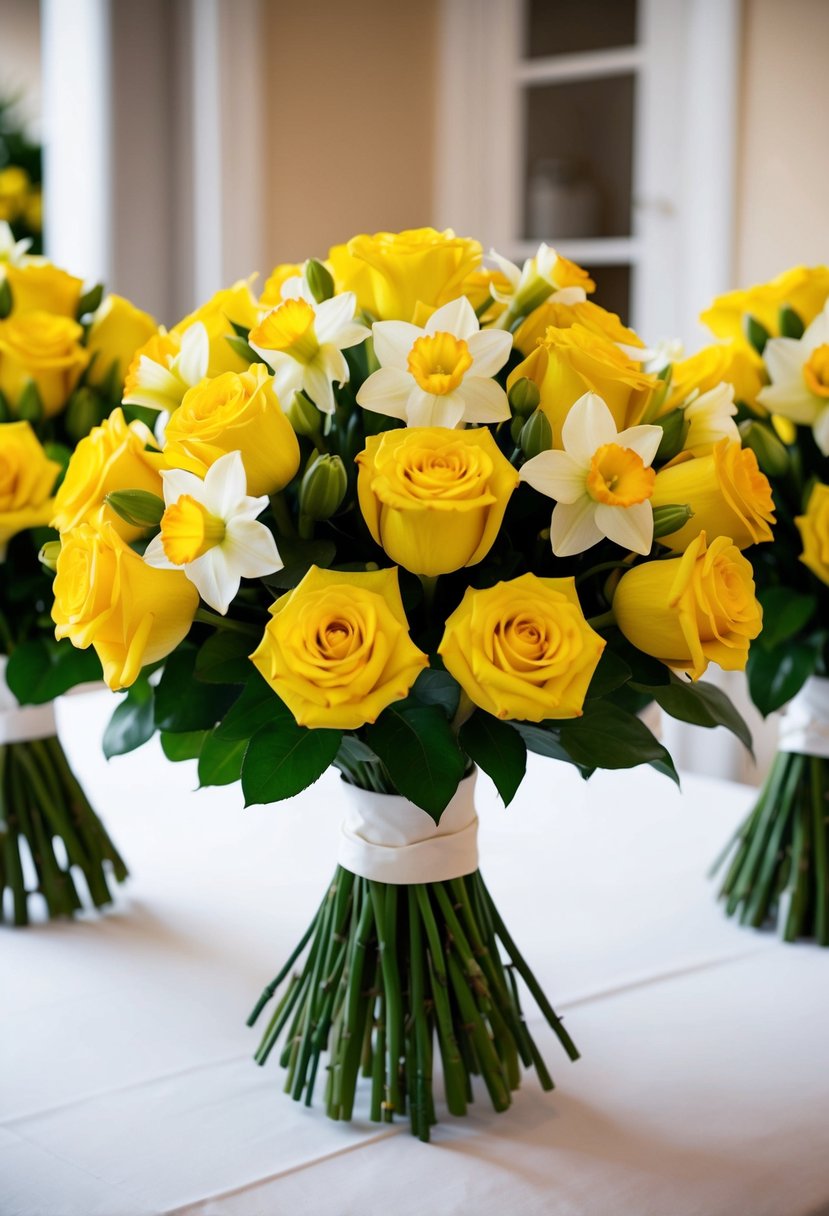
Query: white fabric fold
19, 724
389, 839
805, 724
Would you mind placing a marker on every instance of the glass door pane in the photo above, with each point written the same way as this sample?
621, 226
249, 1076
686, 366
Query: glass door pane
563, 27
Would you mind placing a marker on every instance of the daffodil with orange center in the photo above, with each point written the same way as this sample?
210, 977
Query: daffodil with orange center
602, 482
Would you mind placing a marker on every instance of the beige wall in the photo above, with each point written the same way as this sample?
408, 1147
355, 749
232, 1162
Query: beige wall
20, 57
783, 170
350, 121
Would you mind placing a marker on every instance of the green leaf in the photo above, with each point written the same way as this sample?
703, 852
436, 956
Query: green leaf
224, 658
132, 723
90, 300
40, 670
184, 746
775, 676
354, 751
608, 737
785, 613
220, 761
700, 704
421, 754
545, 742
756, 333
498, 750
611, 673
242, 347
436, 687
791, 325
284, 759
299, 557
183, 703
258, 706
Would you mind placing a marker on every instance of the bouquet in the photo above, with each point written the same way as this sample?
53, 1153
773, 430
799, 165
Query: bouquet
63, 355
778, 863
417, 518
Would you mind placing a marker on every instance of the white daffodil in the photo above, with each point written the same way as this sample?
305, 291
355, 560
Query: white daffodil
210, 531
440, 375
602, 481
711, 418
160, 377
12, 252
799, 373
547, 276
303, 342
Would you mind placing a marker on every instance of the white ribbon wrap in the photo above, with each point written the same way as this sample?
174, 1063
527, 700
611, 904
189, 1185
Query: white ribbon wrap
19, 724
805, 725
388, 838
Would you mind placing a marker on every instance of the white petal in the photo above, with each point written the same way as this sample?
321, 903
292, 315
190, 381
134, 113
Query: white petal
483, 400
214, 579
177, 482
793, 401
287, 376
155, 384
333, 362
644, 440
822, 430
784, 359
194, 356
557, 475
332, 315
386, 392
393, 340
587, 427
155, 556
350, 335
569, 296
816, 334
573, 528
318, 386
296, 288
630, 527
427, 410
509, 270
225, 485
250, 549
490, 349
457, 317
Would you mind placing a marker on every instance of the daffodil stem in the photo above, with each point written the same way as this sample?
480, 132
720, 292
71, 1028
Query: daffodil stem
282, 514
306, 527
429, 583
603, 621
205, 617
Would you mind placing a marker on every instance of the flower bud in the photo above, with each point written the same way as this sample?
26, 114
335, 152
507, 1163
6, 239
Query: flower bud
319, 280
29, 404
524, 397
5, 299
303, 416
323, 487
536, 435
49, 554
771, 454
83, 412
5, 412
674, 429
670, 518
139, 508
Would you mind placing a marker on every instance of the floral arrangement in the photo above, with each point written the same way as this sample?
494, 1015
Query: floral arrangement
63, 357
779, 862
412, 517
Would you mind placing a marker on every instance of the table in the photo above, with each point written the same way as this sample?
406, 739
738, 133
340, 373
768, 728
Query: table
127, 1088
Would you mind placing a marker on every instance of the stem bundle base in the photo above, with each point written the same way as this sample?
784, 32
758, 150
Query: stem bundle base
49, 836
776, 868
392, 973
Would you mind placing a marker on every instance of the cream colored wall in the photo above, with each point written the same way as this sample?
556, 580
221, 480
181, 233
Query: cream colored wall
783, 171
349, 123
20, 57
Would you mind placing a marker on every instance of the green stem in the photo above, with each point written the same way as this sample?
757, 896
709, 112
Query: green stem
205, 617
282, 514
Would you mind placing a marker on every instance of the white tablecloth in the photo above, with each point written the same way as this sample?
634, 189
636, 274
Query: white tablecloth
127, 1088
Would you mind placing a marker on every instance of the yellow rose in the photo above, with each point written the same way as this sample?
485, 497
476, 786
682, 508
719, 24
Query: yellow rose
107, 596
570, 362
38, 286
236, 303
117, 331
27, 478
14, 189
729, 362
337, 650
804, 289
235, 413
43, 348
391, 273
434, 498
522, 649
727, 493
272, 291
692, 610
814, 532
113, 456
592, 317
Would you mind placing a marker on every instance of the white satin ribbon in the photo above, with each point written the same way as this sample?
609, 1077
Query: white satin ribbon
21, 723
389, 839
805, 724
